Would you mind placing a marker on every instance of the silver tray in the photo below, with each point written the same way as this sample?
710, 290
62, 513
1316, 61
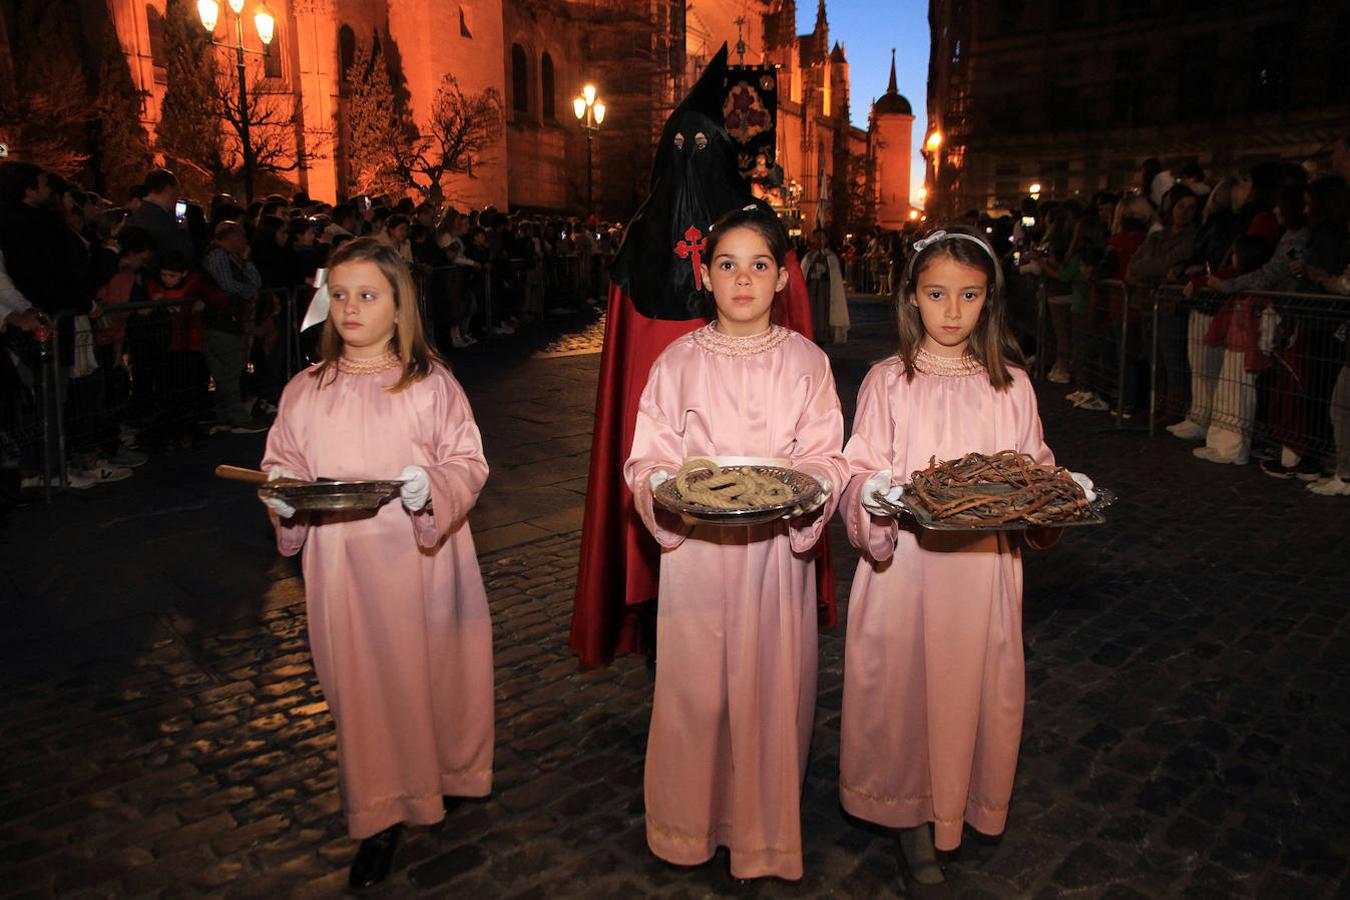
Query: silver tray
911, 507
332, 495
805, 490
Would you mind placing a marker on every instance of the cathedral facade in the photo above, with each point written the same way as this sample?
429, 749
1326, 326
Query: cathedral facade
537, 54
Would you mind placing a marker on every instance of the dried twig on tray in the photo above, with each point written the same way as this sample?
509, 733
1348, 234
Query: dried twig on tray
996, 490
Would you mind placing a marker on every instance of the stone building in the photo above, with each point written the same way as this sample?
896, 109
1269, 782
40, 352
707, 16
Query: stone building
1074, 95
640, 54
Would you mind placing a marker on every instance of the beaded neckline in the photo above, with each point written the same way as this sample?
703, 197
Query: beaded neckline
946, 366
714, 341
382, 363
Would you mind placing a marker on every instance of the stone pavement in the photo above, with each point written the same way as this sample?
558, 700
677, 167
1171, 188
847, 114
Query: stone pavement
162, 734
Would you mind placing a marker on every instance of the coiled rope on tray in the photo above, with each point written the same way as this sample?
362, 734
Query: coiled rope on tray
729, 488
1037, 494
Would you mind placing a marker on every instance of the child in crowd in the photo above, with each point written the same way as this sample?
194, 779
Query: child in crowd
1244, 332
736, 621
189, 294
933, 671
398, 617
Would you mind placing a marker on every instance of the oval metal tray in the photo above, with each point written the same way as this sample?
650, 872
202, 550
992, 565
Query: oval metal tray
805, 490
332, 495
910, 507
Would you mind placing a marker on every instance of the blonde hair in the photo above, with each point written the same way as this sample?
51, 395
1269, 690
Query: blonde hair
408, 341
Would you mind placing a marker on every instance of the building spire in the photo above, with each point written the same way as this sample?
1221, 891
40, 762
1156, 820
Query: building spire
891, 89
822, 27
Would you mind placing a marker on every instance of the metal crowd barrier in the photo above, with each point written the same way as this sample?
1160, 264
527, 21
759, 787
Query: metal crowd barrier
140, 365
1260, 365
868, 274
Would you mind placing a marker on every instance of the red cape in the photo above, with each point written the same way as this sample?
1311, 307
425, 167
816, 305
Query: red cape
619, 558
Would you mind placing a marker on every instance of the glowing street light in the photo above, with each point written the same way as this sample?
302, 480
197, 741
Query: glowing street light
209, 13
590, 111
934, 141
1035, 190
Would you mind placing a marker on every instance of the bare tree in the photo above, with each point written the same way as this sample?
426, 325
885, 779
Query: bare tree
46, 114
275, 125
459, 132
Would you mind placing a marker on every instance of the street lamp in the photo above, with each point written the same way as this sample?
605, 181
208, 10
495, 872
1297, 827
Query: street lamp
934, 141
209, 12
590, 111
1035, 190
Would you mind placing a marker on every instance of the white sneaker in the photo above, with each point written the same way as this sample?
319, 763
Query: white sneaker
1058, 376
79, 480
458, 342
1331, 486
1094, 404
502, 329
1077, 397
1209, 454
101, 473
1188, 430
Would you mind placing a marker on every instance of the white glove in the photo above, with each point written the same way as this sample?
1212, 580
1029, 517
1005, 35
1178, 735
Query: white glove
416, 490
880, 483
283, 509
658, 478
806, 509
1086, 483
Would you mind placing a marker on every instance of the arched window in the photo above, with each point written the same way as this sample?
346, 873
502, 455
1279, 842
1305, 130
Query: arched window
346, 50
546, 101
154, 22
272, 59
520, 80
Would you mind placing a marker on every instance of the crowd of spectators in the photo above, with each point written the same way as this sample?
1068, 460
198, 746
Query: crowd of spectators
170, 318
1245, 367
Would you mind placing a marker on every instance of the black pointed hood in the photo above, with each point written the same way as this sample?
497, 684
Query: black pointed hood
694, 181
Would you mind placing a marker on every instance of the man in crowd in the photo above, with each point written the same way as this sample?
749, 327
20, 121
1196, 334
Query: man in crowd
156, 214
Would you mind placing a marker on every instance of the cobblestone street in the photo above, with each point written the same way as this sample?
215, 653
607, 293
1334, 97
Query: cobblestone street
162, 733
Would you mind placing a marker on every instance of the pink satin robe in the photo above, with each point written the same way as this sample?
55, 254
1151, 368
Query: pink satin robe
933, 669
736, 623
398, 617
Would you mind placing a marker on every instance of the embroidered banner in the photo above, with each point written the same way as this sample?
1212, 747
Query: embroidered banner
750, 111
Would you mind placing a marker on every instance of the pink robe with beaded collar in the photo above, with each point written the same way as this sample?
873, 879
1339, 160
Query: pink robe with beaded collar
933, 668
398, 618
736, 621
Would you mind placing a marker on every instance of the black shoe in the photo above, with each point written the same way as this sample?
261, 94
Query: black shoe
1305, 470
374, 858
451, 803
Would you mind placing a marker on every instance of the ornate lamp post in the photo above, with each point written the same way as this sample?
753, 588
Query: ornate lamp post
209, 11
590, 111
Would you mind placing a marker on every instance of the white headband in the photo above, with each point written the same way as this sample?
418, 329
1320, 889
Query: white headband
940, 235
924, 243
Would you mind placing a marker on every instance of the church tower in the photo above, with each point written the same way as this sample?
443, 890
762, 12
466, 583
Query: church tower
892, 129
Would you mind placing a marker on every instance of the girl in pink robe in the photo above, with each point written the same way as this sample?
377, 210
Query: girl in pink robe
398, 617
933, 671
736, 621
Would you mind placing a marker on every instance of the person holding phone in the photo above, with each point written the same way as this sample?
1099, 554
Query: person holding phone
164, 216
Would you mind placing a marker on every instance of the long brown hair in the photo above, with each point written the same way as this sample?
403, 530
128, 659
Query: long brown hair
991, 342
408, 340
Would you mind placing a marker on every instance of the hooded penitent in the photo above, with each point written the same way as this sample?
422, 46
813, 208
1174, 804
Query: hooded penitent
656, 296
